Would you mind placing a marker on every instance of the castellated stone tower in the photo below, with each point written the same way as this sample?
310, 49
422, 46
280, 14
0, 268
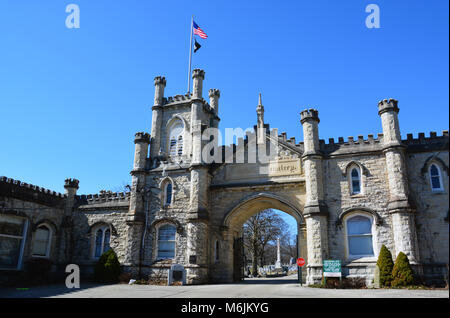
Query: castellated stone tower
141, 141
398, 205
160, 84
176, 158
315, 210
67, 237
136, 213
214, 95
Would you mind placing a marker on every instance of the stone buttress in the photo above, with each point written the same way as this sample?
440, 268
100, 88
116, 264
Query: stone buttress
401, 212
315, 210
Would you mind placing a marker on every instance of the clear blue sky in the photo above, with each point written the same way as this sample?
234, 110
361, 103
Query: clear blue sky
72, 99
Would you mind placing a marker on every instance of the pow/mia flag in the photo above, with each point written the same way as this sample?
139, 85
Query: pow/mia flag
197, 45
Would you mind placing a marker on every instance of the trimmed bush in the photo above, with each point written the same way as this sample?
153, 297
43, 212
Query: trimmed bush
402, 273
385, 264
107, 269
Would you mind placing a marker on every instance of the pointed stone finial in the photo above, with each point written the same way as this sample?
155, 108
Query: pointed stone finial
260, 112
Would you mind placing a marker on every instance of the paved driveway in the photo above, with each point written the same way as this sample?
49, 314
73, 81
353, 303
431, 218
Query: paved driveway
285, 287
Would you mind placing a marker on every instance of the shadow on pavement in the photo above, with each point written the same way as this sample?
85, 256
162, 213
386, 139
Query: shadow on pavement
43, 291
268, 281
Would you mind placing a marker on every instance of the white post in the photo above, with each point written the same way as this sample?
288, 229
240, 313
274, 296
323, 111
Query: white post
278, 262
190, 57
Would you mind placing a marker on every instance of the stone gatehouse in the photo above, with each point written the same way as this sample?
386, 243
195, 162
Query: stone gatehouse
348, 197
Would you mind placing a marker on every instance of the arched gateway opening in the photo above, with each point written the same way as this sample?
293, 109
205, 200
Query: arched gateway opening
234, 220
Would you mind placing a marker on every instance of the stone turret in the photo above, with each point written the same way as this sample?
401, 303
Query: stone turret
310, 121
197, 86
67, 235
141, 141
196, 116
315, 210
214, 95
198, 215
403, 223
71, 187
388, 111
160, 84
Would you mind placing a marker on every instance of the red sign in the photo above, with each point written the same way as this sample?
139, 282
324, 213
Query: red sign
300, 261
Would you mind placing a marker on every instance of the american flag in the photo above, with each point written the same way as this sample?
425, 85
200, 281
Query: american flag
199, 31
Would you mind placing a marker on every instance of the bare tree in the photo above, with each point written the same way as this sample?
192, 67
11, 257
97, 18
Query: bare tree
260, 230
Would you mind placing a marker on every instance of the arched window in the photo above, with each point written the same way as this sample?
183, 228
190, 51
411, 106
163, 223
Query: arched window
176, 139
102, 239
42, 241
166, 241
435, 178
168, 194
355, 180
359, 236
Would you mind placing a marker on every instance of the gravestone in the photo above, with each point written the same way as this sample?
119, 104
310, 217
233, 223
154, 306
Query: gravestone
177, 273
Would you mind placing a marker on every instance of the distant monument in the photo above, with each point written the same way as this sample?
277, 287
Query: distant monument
278, 262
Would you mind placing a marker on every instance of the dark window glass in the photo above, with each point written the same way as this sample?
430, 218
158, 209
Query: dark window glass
169, 194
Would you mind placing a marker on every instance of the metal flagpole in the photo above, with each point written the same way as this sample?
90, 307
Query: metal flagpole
190, 57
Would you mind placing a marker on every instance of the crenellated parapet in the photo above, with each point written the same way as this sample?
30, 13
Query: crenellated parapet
29, 192
71, 183
141, 137
198, 73
360, 144
309, 114
422, 143
388, 105
104, 196
160, 80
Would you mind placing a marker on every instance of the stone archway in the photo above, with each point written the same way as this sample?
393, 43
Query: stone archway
235, 218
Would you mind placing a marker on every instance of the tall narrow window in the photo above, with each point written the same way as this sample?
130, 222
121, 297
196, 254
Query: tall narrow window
102, 239
168, 194
42, 241
12, 241
435, 178
359, 235
355, 181
173, 147
176, 139
180, 145
166, 241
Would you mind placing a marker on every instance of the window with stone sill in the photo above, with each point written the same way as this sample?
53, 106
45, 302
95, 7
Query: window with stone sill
355, 181
42, 241
359, 236
168, 194
166, 242
12, 241
435, 178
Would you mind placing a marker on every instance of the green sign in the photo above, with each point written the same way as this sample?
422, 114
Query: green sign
332, 268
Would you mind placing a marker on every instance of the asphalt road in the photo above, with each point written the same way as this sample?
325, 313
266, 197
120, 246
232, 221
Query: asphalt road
285, 287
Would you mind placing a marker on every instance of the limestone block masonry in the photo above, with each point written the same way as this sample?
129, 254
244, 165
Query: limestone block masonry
183, 210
